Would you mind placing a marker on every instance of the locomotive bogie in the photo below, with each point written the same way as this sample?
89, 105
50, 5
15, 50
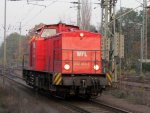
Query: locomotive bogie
70, 84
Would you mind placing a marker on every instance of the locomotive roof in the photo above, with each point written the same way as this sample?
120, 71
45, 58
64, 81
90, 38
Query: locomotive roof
48, 25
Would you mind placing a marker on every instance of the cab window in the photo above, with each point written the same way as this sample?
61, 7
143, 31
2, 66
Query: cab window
48, 32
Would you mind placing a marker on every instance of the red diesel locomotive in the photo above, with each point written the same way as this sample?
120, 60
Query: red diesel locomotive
65, 61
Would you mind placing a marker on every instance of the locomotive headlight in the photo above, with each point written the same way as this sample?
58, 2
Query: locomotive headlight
67, 66
81, 34
96, 67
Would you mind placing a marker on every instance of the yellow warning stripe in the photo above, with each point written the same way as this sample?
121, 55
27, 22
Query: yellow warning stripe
109, 78
54, 77
57, 79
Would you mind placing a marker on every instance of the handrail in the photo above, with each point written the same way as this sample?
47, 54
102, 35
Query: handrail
95, 60
76, 49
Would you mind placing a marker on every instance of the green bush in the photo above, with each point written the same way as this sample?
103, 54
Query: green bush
146, 67
119, 93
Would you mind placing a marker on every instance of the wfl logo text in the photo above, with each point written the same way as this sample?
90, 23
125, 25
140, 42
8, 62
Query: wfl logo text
81, 54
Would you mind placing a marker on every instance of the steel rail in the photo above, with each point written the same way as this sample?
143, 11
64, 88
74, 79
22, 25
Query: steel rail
16, 82
75, 108
113, 108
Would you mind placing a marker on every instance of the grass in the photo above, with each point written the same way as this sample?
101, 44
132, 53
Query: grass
136, 96
2, 101
13, 102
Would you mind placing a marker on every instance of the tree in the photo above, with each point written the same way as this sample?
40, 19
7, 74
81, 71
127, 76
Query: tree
130, 27
12, 48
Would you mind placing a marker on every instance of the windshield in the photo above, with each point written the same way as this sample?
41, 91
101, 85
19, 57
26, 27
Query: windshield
48, 32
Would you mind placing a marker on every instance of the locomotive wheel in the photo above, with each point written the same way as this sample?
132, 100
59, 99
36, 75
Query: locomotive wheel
27, 81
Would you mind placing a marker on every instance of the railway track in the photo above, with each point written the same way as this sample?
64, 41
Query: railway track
94, 107
144, 86
62, 102
91, 106
110, 107
74, 107
81, 105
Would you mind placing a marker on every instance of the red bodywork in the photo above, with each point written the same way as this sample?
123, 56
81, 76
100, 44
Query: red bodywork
81, 50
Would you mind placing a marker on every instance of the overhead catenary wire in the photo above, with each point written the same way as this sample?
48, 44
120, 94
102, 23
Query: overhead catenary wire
37, 14
139, 2
28, 13
125, 13
12, 27
16, 15
54, 1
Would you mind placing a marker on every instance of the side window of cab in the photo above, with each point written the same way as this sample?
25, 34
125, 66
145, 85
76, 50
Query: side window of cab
48, 32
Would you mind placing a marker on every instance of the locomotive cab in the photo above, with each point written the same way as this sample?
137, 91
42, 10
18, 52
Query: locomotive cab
48, 32
51, 30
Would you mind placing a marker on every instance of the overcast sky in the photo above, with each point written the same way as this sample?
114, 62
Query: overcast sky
55, 10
